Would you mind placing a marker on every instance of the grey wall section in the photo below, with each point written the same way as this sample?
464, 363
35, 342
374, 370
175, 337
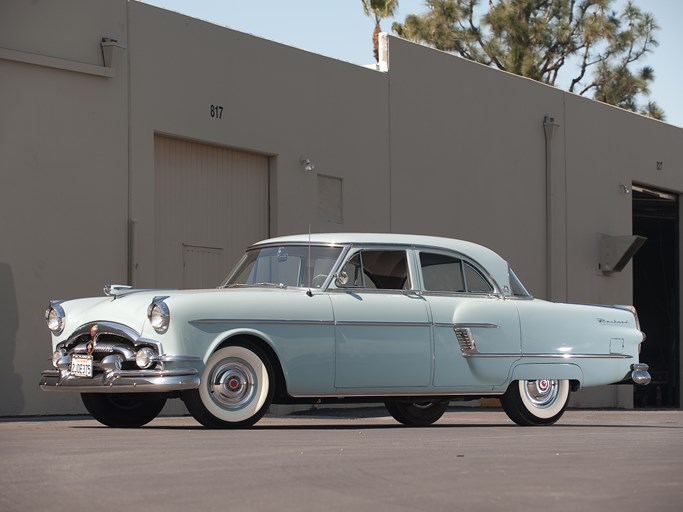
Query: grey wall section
468, 154
277, 100
438, 145
63, 179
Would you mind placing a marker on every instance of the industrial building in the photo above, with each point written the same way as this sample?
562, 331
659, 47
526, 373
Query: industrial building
142, 146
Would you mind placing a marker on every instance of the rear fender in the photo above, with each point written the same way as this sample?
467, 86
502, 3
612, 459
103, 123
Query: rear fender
536, 371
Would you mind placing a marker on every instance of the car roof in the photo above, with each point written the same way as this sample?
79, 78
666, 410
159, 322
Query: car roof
488, 259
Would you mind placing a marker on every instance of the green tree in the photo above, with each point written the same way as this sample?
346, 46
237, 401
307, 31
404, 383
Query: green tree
378, 9
595, 47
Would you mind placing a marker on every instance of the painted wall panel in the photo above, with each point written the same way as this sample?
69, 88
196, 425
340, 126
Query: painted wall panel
206, 196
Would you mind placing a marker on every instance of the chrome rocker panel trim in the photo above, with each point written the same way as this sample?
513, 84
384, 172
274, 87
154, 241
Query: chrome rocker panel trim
122, 381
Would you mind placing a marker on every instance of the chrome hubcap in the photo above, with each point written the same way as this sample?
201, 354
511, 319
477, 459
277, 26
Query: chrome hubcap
232, 383
542, 393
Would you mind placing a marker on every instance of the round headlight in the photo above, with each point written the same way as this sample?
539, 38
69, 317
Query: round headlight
54, 316
159, 315
143, 357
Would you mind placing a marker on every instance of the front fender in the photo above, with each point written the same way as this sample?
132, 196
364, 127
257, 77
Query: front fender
224, 336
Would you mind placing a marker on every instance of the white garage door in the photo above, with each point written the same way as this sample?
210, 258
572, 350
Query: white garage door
211, 203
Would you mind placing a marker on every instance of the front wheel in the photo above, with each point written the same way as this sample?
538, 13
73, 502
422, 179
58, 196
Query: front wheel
123, 410
417, 414
536, 402
236, 388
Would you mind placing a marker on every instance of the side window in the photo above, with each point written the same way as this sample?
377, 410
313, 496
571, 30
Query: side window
378, 269
441, 273
475, 281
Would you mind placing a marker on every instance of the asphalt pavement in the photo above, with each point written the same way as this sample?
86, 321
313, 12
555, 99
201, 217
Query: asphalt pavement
348, 460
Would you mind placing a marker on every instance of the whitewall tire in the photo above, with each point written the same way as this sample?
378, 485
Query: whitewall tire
536, 402
236, 388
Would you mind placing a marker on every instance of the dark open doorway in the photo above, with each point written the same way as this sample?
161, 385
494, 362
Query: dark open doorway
656, 294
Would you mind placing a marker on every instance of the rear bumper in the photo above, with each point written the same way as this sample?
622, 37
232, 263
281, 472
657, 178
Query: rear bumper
640, 374
122, 381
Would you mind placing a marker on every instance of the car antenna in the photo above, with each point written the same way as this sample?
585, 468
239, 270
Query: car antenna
309, 292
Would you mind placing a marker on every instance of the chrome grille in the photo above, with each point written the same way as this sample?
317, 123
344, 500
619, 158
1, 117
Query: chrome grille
103, 347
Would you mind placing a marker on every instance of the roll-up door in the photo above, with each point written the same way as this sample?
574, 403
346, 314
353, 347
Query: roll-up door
210, 202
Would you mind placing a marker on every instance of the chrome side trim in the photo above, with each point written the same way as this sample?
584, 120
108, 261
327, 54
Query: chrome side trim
466, 325
178, 359
353, 323
474, 326
551, 356
240, 321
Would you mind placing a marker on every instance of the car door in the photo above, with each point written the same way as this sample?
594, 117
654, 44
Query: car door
476, 331
382, 328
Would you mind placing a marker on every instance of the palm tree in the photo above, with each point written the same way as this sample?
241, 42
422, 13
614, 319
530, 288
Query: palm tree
378, 9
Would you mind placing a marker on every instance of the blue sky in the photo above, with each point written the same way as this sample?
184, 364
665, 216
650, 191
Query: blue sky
338, 29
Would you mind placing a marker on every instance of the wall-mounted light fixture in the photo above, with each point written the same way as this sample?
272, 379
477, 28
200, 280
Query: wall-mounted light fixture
306, 164
112, 52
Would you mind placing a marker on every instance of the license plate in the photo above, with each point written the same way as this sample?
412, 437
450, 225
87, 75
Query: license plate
81, 366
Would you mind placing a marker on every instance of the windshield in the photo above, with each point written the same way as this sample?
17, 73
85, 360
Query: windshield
287, 265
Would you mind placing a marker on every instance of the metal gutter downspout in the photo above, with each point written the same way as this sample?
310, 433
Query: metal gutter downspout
549, 127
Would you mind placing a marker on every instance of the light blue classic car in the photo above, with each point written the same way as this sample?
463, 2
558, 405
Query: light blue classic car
412, 321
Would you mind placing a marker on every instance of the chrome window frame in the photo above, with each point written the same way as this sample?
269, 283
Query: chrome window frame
330, 277
496, 290
414, 268
353, 249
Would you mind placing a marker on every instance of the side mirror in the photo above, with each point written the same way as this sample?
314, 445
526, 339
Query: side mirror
341, 279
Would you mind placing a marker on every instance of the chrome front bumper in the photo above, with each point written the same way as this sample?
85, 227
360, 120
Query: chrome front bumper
640, 374
122, 381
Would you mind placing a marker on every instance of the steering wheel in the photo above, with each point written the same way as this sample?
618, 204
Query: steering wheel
318, 280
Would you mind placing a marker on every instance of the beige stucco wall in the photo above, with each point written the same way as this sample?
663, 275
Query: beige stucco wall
63, 179
438, 145
468, 154
606, 148
277, 101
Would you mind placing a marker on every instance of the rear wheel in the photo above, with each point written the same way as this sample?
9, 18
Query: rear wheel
417, 414
123, 410
236, 388
536, 402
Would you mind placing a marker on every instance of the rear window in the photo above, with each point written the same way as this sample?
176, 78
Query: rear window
444, 273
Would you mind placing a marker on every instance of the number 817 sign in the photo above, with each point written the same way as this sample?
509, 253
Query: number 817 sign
216, 111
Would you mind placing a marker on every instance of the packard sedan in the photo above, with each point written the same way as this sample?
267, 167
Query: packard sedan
414, 322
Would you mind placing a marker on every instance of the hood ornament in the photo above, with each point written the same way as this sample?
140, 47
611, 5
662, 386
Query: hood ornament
90, 347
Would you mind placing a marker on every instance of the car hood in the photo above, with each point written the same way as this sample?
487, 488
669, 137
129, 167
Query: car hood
129, 307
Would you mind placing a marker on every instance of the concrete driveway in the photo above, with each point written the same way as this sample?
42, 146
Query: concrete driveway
348, 460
